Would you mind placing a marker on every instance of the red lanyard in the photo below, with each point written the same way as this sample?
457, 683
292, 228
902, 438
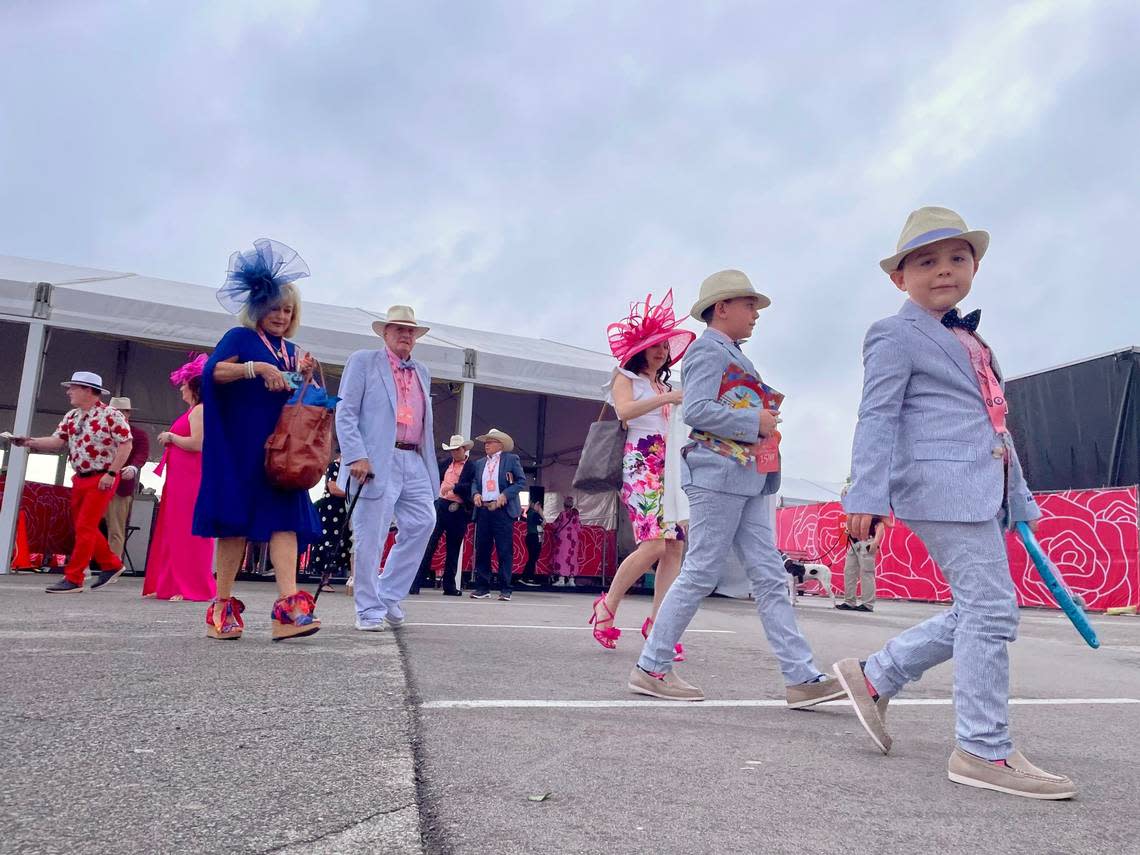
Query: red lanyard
281, 356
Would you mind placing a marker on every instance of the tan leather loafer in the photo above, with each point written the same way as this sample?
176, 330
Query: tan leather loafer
806, 695
669, 687
850, 675
1018, 778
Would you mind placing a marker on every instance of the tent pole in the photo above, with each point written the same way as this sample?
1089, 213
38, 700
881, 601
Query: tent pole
463, 427
18, 457
540, 443
463, 413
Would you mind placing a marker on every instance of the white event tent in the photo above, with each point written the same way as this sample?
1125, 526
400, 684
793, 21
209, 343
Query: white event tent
134, 330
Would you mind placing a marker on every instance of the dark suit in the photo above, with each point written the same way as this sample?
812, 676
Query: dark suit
495, 528
449, 523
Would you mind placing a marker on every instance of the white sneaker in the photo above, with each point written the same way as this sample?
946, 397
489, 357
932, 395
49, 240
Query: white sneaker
368, 626
394, 621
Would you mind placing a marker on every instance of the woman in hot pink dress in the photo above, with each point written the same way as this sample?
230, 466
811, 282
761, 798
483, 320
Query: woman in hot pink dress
180, 565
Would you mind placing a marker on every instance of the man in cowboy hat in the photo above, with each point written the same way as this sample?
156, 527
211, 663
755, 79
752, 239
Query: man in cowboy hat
98, 442
932, 445
731, 480
119, 511
498, 480
384, 424
452, 513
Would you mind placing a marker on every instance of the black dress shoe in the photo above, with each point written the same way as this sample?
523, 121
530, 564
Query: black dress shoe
106, 577
843, 607
453, 593
64, 587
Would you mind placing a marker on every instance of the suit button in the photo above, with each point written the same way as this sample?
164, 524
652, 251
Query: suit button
999, 451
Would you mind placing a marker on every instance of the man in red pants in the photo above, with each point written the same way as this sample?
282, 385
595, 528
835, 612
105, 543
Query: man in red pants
98, 441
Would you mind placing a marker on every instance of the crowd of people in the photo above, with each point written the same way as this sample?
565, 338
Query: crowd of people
932, 448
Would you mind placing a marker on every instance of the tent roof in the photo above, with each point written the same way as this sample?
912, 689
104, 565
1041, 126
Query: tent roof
1117, 352
179, 313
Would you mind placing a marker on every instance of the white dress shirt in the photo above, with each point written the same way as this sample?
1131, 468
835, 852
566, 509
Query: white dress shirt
490, 485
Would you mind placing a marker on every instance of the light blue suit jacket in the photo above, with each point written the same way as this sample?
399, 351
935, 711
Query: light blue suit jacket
508, 462
366, 420
701, 374
924, 445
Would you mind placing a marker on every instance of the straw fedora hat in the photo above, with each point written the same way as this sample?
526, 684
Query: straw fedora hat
400, 316
930, 225
457, 441
725, 285
496, 434
89, 379
119, 403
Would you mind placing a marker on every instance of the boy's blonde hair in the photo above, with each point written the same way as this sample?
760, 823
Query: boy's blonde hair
251, 317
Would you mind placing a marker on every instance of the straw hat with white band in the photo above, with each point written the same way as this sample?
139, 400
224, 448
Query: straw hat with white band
399, 316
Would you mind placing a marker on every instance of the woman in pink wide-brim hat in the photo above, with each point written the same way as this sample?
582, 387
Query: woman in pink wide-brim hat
646, 344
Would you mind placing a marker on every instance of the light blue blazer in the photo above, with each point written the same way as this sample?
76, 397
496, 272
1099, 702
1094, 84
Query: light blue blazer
924, 445
366, 420
701, 373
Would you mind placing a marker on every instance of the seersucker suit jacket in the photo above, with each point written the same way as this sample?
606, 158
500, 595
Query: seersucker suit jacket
701, 373
366, 420
924, 444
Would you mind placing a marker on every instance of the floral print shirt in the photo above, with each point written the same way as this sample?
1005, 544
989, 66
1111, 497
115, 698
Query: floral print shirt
93, 437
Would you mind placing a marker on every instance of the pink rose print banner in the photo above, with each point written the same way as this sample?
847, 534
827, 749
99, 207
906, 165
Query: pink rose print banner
1091, 535
47, 513
597, 547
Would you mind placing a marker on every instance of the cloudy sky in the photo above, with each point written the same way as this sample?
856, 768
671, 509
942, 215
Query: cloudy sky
533, 167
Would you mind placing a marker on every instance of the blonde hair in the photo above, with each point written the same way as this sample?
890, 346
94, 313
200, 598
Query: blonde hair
252, 317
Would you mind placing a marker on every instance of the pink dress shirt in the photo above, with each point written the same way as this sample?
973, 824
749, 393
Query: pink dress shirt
450, 479
409, 396
981, 360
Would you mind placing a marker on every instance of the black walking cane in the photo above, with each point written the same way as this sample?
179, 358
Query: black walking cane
327, 575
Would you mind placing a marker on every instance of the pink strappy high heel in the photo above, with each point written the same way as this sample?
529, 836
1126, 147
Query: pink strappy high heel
678, 648
608, 636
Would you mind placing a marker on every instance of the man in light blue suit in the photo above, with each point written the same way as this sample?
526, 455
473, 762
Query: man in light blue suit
384, 424
932, 446
731, 501
499, 478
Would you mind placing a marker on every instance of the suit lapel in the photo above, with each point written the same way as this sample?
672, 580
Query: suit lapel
384, 369
736, 355
941, 336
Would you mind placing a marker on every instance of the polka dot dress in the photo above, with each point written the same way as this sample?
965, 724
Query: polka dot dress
330, 553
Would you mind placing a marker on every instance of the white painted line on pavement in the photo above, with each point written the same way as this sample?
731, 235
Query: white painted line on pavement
544, 626
605, 704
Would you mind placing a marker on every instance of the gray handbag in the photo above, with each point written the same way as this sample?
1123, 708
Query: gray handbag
600, 465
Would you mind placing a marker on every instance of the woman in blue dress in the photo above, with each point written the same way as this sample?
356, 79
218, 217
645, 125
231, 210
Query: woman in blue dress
245, 384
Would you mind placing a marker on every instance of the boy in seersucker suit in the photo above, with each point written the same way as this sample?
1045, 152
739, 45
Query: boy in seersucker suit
730, 474
932, 445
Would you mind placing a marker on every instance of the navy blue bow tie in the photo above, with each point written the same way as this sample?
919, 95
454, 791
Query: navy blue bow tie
969, 322
406, 365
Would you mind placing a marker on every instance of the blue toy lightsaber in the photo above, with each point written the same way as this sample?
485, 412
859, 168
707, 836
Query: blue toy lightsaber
1052, 579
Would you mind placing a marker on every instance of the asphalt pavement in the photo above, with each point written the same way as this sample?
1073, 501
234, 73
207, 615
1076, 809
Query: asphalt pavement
492, 727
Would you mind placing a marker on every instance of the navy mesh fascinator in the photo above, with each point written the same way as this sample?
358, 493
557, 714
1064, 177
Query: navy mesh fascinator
255, 277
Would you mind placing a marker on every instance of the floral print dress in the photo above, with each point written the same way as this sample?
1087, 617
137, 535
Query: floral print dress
643, 466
